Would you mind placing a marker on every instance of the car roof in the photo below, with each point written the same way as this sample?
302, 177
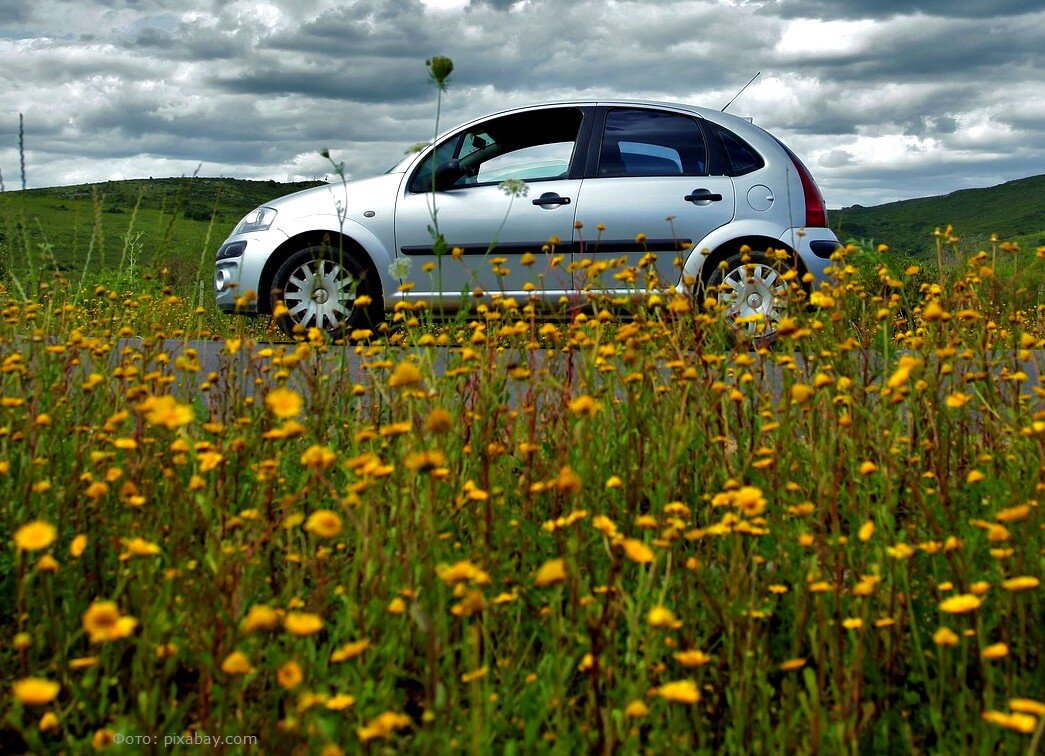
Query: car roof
709, 113
601, 102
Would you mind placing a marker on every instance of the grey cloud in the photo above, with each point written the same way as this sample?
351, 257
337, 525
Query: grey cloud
259, 88
888, 8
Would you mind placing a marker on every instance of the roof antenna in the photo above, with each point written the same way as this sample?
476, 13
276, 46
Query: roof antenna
741, 91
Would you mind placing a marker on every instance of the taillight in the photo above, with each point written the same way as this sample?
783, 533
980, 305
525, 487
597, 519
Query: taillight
816, 211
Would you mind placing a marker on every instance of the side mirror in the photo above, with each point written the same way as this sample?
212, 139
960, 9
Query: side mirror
447, 174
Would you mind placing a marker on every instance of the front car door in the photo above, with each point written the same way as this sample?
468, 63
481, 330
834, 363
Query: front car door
500, 190
651, 178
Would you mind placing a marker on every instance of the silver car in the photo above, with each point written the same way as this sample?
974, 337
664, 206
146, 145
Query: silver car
634, 194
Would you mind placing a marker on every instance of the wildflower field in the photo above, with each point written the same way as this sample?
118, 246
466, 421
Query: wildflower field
619, 531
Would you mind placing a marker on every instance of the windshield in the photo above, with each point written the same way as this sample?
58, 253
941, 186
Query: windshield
400, 166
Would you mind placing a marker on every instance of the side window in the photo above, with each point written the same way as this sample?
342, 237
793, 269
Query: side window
531, 146
651, 143
733, 156
529, 163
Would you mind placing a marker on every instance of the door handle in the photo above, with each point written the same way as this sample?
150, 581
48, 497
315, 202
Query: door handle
702, 195
551, 198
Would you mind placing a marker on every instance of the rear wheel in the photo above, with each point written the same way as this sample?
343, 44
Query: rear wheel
319, 288
753, 293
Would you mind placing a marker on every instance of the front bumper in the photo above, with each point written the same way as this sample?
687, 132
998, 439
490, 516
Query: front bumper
234, 277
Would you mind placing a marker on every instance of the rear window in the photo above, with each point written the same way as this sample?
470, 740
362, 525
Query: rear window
734, 156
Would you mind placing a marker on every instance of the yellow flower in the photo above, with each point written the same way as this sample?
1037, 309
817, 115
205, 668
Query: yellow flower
900, 551
350, 651
945, 637
102, 739
166, 411
866, 531
302, 623
289, 676
1024, 723
792, 664
48, 722
681, 691
35, 691
340, 702
553, 571
1027, 706
995, 651
980, 587
236, 663
317, 457
324, 523
750, 501
903, 372
259, 617
76, 548
406, 373
462, 572
662, 617
934, 312
867, 467
475, 674
585, 406
209, 460
636, 710
1023, 583
801, 392
974, 476
35, 535
284, 403
397, 606
957, 400
960, 604
692, 658
637, 551
140, 547
852, 623
103, 622
439, 421
382, 726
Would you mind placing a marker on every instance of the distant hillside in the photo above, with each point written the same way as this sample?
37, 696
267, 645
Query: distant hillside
199, 198
63, 228
1013, 209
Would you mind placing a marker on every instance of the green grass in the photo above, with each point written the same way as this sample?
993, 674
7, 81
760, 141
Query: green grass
515, 553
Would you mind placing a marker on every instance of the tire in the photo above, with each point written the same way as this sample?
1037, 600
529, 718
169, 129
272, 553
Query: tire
750, 284
319, 287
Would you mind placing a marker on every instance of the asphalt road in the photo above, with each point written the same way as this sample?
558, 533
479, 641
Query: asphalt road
211, 359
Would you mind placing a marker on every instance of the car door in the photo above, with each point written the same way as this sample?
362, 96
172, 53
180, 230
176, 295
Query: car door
650, 177
502, 189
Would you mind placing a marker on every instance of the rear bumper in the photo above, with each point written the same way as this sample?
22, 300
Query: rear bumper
814, 247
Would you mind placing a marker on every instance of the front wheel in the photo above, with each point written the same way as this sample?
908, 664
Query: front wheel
753, 294
319, 288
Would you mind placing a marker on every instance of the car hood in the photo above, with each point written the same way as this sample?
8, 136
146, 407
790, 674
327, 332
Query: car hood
352, 197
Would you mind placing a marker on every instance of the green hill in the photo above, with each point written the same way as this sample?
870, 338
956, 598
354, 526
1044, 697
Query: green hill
68, 227
1013, 210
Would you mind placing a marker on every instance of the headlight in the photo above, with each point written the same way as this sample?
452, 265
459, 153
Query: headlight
255, 220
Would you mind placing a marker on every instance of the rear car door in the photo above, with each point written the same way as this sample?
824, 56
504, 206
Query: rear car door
648, 175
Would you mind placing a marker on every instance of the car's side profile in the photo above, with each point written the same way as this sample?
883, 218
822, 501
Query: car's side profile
518, 196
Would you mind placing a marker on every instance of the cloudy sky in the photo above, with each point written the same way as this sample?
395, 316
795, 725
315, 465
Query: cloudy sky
884, 99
